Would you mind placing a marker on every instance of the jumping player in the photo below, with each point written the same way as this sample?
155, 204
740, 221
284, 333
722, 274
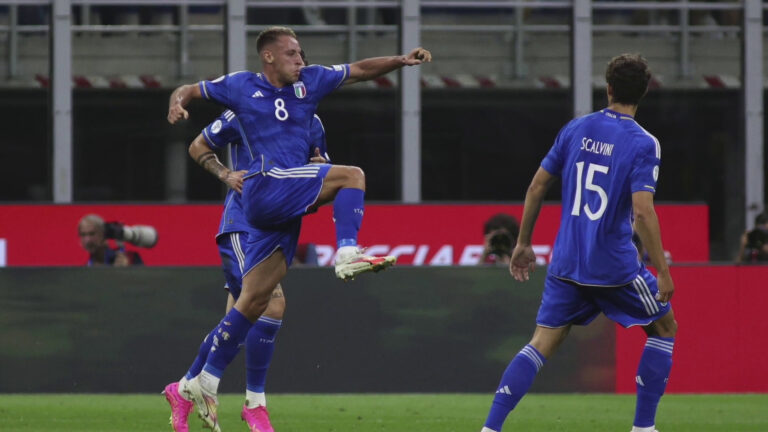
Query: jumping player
232, 240
274, 109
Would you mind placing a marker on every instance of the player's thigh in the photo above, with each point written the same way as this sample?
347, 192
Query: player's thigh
564, 303
258, 284
339, 177
278, 196
632, 304
231, 249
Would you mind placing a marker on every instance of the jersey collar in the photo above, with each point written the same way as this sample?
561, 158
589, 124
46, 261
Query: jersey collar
616, 115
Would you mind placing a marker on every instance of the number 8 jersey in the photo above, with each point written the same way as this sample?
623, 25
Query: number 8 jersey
602, 159
275, 123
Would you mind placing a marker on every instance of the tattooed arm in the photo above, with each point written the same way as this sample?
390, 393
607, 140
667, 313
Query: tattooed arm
201, 152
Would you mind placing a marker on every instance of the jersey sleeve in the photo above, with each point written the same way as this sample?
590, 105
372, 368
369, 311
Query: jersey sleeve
317, 139
645, 170
322, 80
553, 161
222, 88
222, 131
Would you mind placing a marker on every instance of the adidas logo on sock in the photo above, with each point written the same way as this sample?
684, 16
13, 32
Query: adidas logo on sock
504, 390
639, 380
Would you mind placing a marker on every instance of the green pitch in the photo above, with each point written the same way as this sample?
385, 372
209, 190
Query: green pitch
389, 412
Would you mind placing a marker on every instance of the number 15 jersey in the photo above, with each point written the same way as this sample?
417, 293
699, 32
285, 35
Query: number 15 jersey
602, 159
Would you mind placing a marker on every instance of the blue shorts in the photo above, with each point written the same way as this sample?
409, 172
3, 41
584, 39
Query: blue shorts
274, 202
272, 198
565, 302
263, 243
231, 246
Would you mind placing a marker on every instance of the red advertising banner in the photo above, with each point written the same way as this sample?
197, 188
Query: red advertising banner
719, 344
426, 234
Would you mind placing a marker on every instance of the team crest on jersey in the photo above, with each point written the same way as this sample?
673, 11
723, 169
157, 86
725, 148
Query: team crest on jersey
299, 89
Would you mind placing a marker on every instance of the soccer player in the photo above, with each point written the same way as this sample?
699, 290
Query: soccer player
232, 241
274, 109
609, 166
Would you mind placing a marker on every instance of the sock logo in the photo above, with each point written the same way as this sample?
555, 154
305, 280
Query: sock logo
504, 390
639, 380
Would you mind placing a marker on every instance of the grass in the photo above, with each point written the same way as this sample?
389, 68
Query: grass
388, 412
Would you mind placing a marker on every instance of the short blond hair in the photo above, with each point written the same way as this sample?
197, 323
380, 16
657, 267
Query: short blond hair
271, 34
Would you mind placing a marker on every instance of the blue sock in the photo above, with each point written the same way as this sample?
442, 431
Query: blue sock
515, 382
348, 214
652, 375
228, 337
259, 346
202, 356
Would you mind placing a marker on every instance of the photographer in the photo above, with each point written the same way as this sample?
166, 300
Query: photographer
94, 232
754, 244
500, 233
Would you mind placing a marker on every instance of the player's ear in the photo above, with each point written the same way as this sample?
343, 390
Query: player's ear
609, 92
267, 56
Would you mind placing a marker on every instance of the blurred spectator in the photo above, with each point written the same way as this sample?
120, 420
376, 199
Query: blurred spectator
754, 244
500, 233
91, 230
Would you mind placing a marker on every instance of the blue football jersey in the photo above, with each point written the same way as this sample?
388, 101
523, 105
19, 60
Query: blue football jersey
275, 122
602, 159
226, 130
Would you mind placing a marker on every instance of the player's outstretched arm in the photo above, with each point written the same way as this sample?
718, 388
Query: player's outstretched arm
370, 68
523, 259
180, 98
203, 154
647, 227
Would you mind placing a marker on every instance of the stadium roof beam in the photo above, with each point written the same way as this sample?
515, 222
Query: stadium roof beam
752, 71
410, 106
61, 99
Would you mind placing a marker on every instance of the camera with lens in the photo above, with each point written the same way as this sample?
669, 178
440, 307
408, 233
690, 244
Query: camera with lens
755, 249
756, 245
138, 235
500, 243
500, 232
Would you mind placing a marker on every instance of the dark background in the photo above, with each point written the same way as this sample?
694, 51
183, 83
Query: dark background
406, 330
477, 145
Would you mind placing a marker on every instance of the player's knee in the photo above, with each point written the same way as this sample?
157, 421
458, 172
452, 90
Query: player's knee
253, 305
664, 327
275, 308
356, 177
671, 328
